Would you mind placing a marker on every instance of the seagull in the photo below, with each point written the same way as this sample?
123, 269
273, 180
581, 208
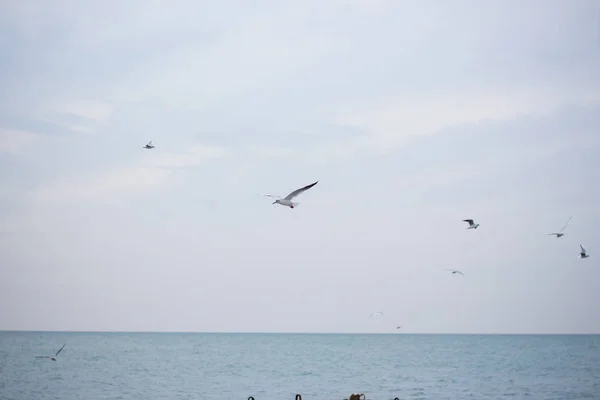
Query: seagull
399, 326
471, 224
149, 145
53, 358
287, 201
453, 271
559, 234
583, 253
376, 314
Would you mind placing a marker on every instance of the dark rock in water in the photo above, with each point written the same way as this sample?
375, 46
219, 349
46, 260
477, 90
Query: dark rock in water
357, 397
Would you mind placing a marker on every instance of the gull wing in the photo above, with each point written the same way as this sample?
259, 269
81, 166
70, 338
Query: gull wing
458, 272
270, 195
299, 191
469, 221
60, 349
583, 251
567, 224
43, 357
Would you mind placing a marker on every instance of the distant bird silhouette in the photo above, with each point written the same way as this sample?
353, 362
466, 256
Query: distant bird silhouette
149, 145
472, 225
583, 253
453, 271
53, 358
560, 233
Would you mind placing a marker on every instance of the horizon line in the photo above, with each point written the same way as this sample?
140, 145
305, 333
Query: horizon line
306, 333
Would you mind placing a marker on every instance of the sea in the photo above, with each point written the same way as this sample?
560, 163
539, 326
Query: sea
236, 366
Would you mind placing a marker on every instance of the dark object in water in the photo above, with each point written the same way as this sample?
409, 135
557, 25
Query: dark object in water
250, 398
298, 397
357, 397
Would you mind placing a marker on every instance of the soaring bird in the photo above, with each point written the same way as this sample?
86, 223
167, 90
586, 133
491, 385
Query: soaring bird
583, 253
471, 224
149, 145
376, 314
453, 271
287, 201
53, 358
560, 233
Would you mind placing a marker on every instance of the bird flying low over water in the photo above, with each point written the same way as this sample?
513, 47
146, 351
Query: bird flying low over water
453, 271
53, 358
287, 201
472, 225
376, 314
149, 145
560, 233
583, 253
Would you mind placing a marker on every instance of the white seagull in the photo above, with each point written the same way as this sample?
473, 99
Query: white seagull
471, 224
53, 358
149, 145
287, 201
583, 253
453, 271
560, 233
376, 314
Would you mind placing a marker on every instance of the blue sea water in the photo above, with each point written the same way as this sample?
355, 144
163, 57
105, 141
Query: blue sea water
153, 366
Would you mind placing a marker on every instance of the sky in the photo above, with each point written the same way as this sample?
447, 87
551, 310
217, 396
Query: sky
412, 115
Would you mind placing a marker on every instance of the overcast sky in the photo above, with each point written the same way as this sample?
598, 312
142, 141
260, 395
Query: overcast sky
413, 115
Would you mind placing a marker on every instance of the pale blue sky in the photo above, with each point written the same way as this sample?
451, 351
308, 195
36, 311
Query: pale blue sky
413, 115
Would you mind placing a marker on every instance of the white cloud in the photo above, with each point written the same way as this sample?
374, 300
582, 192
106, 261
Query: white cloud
96, 111
393, 123
16, 141
152, 171
81, 116
198, 76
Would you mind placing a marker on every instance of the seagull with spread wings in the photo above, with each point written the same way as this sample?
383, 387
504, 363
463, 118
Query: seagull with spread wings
472, 225
377, 314
287, 201
53, 358
560, 233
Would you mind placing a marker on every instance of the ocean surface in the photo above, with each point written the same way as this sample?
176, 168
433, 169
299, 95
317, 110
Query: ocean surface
153, 366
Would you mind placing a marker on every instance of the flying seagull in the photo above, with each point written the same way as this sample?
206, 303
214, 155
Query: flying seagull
376, 314
583, 253
53, 358
149, 145
453, 271
399, 326
471, 224
287, 201
560, 233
